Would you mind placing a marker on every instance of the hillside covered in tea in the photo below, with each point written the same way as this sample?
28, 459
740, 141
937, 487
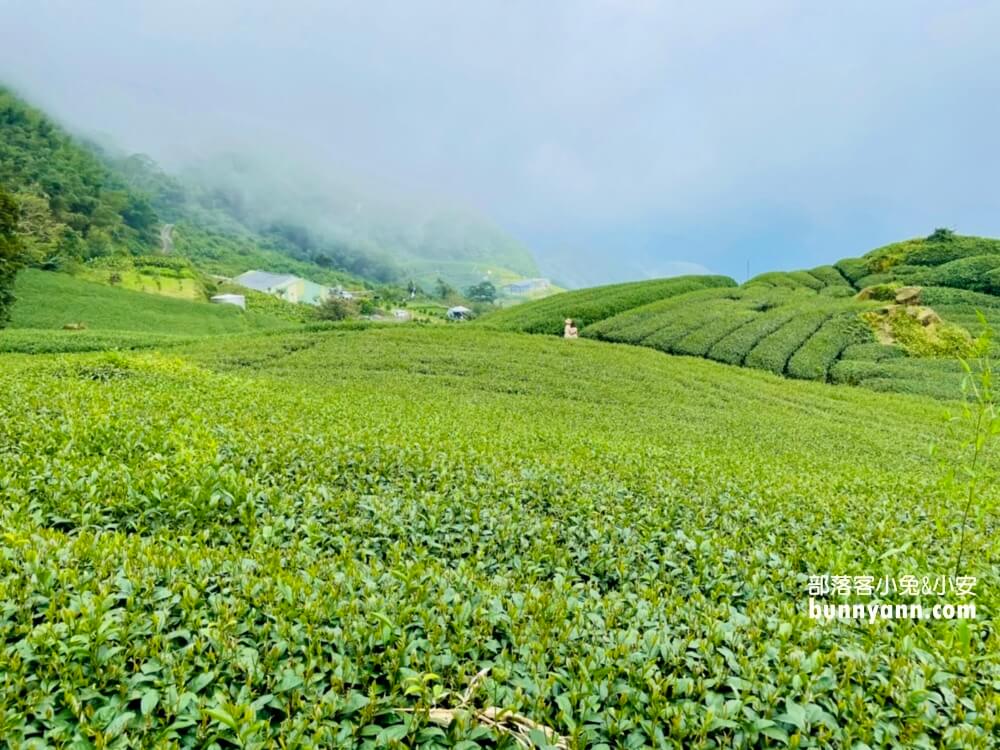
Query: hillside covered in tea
894, 319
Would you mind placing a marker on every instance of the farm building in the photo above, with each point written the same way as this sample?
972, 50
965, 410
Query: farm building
526, 286
230, 299
459, 313
288, 287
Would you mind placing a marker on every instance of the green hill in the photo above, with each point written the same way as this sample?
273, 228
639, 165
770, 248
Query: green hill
837, 323
82, 203
587, 306
112, 317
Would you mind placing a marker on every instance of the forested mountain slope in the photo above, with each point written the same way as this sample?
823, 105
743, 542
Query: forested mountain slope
81, 202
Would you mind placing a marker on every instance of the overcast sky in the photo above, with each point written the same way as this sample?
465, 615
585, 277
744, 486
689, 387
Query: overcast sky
617, 139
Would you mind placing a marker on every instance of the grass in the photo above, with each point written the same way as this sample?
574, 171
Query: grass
180, 288
52, 300
337, 538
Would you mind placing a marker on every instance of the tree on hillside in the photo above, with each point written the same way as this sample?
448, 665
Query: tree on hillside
482, 292
443, 289
336, 308
941, 235
11, 253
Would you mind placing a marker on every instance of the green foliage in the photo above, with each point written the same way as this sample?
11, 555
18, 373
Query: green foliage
941, 235
791, 279
242, 545
936, 340
53, 300
230, 255
829, 276
484, 291
852, 268
942, 296
937, 378
269, 305
11, 253
932, 251
872, 352
972, 273
336, 308
872, 280
772, 319
74, 207
817, 355
978, 429
588, 306
774, 351
881, 292
734, 348
48, 341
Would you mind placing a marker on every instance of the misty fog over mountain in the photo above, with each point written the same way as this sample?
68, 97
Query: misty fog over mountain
615, 140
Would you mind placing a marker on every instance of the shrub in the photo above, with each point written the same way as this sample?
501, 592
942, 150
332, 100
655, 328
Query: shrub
791, 279
829, 276
336, 308
634, 325
734, 348
823, 348
266, 550
837, 292
935, 296
853, 268
875, 279
967, 273
941, 235
882, 292
872, 352
774, 351
936, 340
704, 337
588, 306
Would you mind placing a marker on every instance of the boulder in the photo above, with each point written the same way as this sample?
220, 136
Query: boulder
908, 295
928, 317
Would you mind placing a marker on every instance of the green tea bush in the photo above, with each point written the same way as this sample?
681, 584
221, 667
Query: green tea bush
838, 292
943, 296
883, 278
633, 325
588, 306
699, 341
829, 276
872, 352
853, 269
930, 253
241, 545
934, 378
972, 274
775, 350
734, 348
814, 359
790, 279
882, 292
52, 300
40, 341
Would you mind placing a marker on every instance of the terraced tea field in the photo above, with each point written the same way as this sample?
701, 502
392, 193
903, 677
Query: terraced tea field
587, 306
821, 324
374, 537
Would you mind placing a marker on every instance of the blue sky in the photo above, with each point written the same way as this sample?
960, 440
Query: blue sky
617, 139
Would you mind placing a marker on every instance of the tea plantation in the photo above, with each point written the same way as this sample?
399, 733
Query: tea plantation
586, 306
406, 536
828, 323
